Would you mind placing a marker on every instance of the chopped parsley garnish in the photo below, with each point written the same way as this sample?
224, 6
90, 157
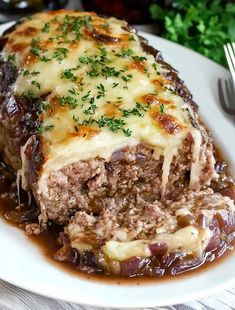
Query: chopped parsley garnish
42, 128
114, 124
55, 19
155, 68
127, 132
103, 52
74, 25
76, 119
38, 159
91, 110
67, 74
126, 53
161, 108
101, 91
137, 111
60, 53
27, 73
131, 38
36, 84
139, 58
46, 27
35, 48
68, 100
85, 97
44, 105
126, 78
73, 91
45, 58
12, 59
105, 26
115, 85
110, 71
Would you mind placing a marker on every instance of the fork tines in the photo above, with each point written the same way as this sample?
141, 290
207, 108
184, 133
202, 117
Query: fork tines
229, 49
227, 96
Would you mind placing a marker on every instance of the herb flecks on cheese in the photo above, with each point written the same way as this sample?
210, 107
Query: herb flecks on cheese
101, 91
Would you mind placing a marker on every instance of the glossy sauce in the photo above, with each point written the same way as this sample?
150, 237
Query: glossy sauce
48, 241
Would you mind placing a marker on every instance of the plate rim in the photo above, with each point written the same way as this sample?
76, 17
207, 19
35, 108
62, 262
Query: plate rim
181, 299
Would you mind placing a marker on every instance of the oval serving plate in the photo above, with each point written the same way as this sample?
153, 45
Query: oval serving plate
22, 263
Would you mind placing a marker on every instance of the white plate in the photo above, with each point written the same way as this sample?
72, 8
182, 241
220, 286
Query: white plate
22, 264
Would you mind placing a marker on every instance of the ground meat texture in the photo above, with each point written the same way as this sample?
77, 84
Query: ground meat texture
132, 176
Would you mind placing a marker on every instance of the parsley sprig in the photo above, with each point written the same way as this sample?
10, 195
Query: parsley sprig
198, 24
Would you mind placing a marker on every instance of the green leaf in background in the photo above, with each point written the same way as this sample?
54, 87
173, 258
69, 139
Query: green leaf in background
203, 26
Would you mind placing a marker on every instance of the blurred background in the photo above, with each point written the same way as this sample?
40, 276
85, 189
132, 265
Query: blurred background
203, 25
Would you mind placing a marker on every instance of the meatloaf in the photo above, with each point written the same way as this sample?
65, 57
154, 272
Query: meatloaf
106, 138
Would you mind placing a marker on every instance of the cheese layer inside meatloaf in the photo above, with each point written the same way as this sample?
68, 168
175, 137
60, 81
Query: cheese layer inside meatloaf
106, 137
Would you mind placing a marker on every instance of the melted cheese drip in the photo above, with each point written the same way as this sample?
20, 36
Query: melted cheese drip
63, 145
189, 240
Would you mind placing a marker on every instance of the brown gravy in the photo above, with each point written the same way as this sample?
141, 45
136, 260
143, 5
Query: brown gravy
48, 244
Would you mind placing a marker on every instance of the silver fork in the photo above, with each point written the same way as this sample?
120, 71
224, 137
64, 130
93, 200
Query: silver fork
227, 87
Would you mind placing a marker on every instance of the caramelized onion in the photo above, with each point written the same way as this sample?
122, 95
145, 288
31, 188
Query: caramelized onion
131, 266
89, 262
186, 265
158, 249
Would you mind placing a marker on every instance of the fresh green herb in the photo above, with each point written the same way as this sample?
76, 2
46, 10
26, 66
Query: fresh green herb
35, 48
114, 124
85, 97
36, 84
45, 58
45, 128
103, 52
105, 26
91, 110
170, 89
139, 58
127, 132
76, 119
60, 53
161, 108
27, 73
74, 25
45, 106
38, 159
155, 68
46, 27
110, 71
137, 111
115, 85
101, 91
67, 74
131, 38
88, 121
12, 60
73, 91
200, 25
126, 53
126, 78
68, 100
55, 19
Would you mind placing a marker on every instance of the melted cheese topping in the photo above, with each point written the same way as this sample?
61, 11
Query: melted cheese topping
189, 239
100, 90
